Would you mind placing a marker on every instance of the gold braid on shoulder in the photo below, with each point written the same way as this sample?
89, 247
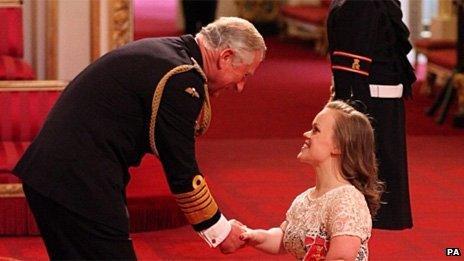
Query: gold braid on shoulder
204, 118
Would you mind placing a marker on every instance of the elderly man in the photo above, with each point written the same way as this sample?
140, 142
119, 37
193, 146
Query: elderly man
150, 96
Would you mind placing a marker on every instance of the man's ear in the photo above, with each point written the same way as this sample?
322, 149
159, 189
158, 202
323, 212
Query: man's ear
225, 57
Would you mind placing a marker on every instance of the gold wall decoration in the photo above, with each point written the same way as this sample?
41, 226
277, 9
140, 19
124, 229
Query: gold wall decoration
34, 85
10, 3
260, 11
121, 23
51, 68
34, 37
11, 190
94, 30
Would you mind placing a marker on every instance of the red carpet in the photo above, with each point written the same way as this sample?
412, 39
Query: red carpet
254, 181
248, 157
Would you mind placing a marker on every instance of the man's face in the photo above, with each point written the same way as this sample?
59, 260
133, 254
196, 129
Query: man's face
232, 76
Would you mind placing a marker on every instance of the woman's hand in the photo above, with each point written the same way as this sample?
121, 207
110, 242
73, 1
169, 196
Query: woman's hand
269, 241
253, 237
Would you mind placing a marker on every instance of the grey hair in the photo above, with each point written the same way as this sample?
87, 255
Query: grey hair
235, 33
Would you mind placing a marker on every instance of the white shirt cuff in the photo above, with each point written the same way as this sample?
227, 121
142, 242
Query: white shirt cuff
217, 233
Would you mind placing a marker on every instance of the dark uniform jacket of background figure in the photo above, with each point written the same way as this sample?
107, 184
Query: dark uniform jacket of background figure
371, 31
99, 128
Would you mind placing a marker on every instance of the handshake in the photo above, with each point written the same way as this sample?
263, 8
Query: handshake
236, 239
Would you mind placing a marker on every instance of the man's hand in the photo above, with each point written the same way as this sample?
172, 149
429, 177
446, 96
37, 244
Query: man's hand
232, 241
332, 89
332, 93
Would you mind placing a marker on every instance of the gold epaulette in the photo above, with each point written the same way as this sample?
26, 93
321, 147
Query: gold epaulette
204, 118
198, 205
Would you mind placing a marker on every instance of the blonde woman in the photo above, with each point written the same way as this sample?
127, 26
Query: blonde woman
333, 219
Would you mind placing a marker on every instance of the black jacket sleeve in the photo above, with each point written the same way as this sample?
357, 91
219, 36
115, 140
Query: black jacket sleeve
175, 141
352, 32
368, 43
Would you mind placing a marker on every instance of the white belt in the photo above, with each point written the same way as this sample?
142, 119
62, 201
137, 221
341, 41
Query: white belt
386, 91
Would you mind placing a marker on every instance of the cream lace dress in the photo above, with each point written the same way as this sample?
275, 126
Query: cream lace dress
311, 223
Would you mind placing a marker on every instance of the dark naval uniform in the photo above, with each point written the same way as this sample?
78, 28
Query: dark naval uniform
368, 44
142, 98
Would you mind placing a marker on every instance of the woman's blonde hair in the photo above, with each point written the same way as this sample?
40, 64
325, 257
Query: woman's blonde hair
354, 137
235, 33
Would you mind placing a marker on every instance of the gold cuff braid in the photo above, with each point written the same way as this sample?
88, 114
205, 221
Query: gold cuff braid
198, 205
